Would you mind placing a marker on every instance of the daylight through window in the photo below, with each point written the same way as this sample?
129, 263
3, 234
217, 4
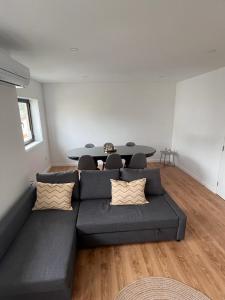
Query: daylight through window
26, 120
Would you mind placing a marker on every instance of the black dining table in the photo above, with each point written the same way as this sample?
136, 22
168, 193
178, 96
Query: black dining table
98, 153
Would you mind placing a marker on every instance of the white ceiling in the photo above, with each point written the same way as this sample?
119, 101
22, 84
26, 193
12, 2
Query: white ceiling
118, 40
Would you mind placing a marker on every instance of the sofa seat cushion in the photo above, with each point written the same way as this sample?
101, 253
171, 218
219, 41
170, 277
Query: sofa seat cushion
41, 258
98, 216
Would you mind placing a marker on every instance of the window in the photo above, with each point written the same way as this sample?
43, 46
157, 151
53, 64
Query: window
26, 120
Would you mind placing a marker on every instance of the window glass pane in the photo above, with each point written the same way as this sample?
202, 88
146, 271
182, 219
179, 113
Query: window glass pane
25, 122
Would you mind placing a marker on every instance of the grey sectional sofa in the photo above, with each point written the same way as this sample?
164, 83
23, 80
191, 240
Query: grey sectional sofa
37, 248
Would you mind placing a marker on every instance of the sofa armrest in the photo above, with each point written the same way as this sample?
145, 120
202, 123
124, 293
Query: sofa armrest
181, 216
14, 219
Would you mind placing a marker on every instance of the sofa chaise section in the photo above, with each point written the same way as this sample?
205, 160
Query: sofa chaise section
39, 262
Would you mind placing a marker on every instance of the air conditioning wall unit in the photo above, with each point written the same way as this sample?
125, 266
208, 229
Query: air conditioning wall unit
12, 72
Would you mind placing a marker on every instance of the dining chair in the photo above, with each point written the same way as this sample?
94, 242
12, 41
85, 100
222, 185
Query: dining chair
138, 161
87, 162
113, 161
130, 144
90, 145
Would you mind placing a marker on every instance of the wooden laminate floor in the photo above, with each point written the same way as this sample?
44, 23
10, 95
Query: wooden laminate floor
198, 261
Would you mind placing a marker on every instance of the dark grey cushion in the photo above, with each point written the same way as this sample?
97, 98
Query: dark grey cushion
96, 184
41, 258
100, 217
153, 183
12, 222
61, 177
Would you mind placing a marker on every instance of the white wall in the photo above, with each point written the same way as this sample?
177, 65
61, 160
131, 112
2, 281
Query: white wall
101, 112
17, 165
37, 157
199, 125
13, 170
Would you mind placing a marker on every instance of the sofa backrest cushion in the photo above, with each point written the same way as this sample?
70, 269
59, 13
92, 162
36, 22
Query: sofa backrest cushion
15, 218
61, 177
95, 184
153, 180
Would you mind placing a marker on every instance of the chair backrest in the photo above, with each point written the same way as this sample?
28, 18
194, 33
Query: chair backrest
89, 145
113, 161
86, 162
138, 161
130, 144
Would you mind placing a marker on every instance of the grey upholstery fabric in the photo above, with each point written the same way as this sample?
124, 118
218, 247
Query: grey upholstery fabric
61, 177
153, 183
58, 177
100, 217
87, 162
181, 215
54, 295
12, 222
127, 237
37, 249
41, 258
138, 161
96, 184
113, 161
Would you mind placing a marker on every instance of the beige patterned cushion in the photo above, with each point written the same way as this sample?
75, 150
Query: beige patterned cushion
128, 193
54, 196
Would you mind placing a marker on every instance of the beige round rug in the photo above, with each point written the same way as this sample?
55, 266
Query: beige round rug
159, 288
